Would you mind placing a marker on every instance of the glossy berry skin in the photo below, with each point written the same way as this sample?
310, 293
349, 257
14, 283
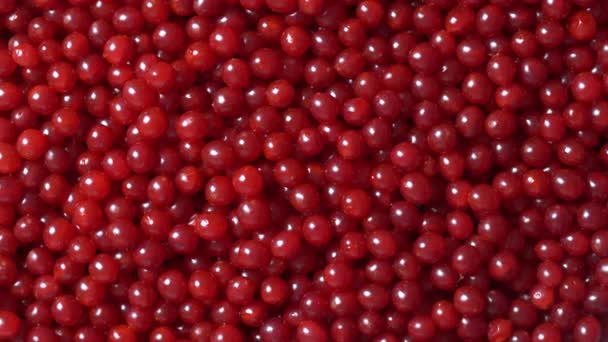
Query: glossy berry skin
9, 324
306, 170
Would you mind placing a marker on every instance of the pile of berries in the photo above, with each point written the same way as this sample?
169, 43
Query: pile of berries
303, 170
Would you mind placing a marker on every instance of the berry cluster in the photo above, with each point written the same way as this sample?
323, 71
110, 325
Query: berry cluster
303, 170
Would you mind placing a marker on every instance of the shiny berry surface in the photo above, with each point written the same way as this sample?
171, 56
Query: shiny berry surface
303, 170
